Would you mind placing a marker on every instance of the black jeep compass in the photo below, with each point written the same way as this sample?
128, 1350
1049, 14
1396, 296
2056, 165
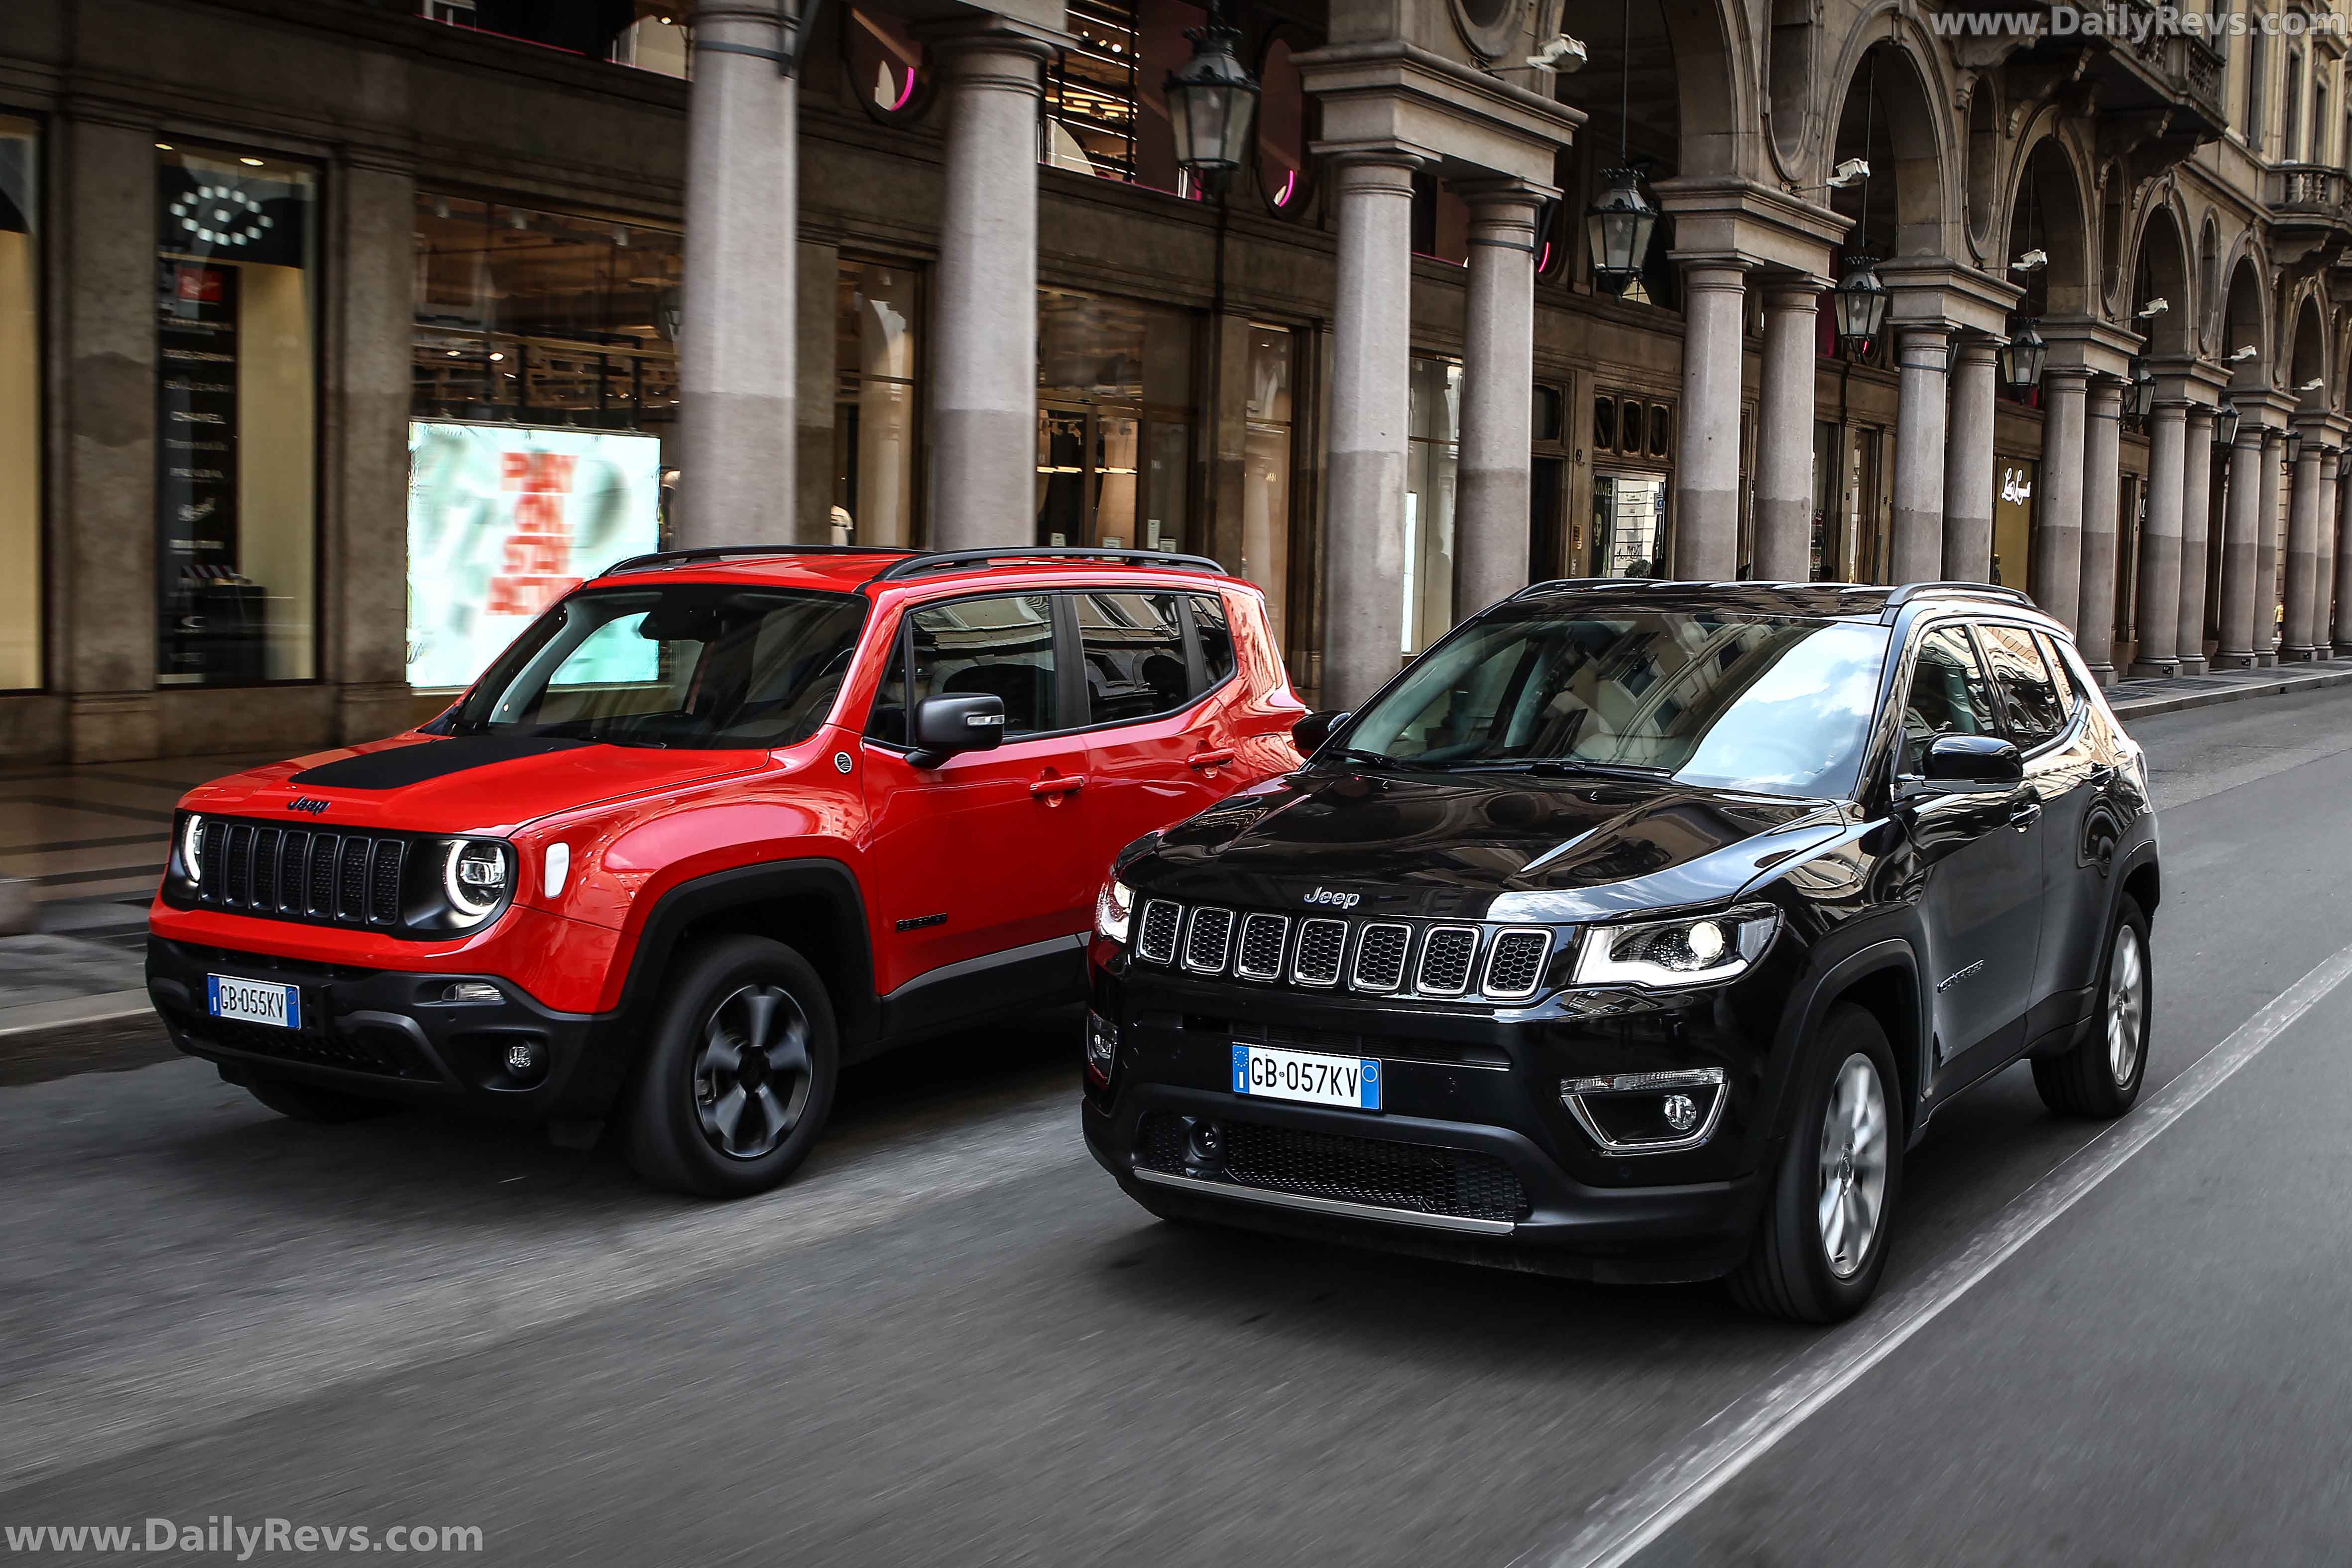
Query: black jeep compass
1634, 933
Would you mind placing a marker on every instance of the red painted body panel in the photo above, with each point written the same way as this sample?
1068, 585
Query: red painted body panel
978, 839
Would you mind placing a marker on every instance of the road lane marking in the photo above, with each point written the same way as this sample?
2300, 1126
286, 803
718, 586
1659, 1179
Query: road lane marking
1662, 1493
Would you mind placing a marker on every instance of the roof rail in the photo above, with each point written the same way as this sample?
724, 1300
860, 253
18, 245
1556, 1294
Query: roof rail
1910, 591
947, 560
723, 551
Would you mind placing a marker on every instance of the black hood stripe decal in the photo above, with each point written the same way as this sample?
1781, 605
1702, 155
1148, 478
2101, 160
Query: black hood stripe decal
397, 767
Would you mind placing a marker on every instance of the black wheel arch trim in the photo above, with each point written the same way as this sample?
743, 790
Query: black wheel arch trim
1812, 1002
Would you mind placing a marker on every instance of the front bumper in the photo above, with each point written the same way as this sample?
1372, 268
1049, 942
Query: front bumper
386, 1034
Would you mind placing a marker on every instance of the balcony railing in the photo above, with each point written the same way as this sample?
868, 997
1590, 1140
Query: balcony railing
2308, 191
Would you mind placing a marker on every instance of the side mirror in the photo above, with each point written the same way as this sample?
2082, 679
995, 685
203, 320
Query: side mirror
1309, 734
1972, 764
946, 725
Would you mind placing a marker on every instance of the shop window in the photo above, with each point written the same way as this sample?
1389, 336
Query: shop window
883, 63
545, 393
20, 405
875, 404
1631, 421
1282, 130
1544, 416
236, 419
1440, 221
1106, 110
1629, 525
1114, 422
1661, 430
2012, 519
1604, 424
1434, 435
656, 44
1265, 469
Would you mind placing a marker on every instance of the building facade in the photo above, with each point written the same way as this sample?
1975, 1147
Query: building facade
338, 338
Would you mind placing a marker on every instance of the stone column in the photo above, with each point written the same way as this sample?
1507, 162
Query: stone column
2096, 631
2056, 572
1372, 323
1784, 433
2158, 618
983, 312
2266, 550
736, 352
2240, 550
1490, 519
1968, 464
2196, 505
2323, 575
1918, 548
2302, 555
1706, 475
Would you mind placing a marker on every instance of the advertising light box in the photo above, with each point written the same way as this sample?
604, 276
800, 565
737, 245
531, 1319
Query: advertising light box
503, 520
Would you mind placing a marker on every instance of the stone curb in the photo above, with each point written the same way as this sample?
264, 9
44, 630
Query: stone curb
19, 1023
2175, 702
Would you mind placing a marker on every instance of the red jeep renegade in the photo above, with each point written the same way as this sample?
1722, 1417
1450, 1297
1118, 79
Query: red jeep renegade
715, 823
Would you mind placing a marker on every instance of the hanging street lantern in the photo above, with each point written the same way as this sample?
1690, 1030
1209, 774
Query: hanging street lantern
2021, 359
2293, 446
2225, 422
2343, 465
1861, 303
2141, 398
1618, 228
1212, 100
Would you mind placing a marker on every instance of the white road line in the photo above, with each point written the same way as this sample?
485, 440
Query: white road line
1661, 1494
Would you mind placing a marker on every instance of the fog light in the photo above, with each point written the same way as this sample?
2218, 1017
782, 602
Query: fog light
1204, 1146
526, 1059
1647, 1113
1102, 1046
471, 991
1682, 1114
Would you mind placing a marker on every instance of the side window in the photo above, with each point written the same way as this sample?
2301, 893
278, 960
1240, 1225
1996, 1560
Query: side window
1002, 647
1949, 695
1214, 636
2070, 696
1134, 650
2028, 692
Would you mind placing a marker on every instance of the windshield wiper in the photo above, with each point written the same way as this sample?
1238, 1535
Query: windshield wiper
1367, 759
1585, 766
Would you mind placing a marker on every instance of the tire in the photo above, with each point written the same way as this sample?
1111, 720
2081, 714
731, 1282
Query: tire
309, 1102
1790, 1271
710, 1114
2098, 1078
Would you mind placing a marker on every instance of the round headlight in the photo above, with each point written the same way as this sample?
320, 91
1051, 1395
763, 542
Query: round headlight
474, 876
192, 846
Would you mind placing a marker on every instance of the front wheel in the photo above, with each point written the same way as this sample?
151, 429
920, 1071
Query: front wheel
739, 1080
1821, 1244
2099, 1077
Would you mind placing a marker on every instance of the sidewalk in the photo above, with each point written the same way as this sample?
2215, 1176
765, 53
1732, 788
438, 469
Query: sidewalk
92, 842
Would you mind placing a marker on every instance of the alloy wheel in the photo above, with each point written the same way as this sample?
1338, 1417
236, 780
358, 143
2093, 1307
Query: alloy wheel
1852, 1165
751, 1076
2127, 1005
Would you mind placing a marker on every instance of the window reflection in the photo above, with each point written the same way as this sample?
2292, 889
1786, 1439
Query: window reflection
885, 62
20, 410
1282, 129
1265, 470
1114, 422
873, 423
1434, 428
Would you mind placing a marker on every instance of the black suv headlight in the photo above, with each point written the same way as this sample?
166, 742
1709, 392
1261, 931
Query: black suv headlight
477, 877
1664, 954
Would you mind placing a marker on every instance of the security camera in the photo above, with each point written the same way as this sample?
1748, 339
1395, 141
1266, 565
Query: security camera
2156, 306
2314, 384
1851, 172
2031, 261
2245, 352
1559, 53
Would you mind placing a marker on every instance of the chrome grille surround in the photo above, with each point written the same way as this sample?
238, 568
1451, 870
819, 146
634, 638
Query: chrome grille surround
1322, 947
1155, 938
1382, 948
1208, 940
1515, 963
1266, 940
1449, 956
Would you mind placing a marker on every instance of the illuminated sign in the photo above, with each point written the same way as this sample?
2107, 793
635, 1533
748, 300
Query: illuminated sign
503, 520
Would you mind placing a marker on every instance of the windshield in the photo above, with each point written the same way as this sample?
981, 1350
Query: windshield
1774, 704
682, 664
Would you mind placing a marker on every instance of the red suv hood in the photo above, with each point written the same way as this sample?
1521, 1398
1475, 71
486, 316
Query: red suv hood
465, 785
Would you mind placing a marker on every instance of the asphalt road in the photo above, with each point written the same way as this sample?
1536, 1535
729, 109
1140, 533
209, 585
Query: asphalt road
952, 1340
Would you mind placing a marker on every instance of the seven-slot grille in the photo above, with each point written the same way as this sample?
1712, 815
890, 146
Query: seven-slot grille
1376, 957
294, 874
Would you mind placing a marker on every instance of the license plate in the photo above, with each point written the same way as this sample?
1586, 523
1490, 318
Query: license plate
1353, 1082
254, 1000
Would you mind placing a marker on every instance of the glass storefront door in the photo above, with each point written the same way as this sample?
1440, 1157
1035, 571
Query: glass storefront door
1093, 486
1629, 525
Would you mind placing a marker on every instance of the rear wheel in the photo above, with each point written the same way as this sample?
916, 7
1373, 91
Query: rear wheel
2099, 1077
309, 1102
1821, 1244
739, 1080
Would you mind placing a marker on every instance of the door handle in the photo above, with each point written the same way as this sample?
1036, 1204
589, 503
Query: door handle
1210, 759
1054, 787
2024, 815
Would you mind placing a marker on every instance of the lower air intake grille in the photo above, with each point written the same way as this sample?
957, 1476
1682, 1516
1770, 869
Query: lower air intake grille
1162, 921
1209, 940
1380, 957
1351, 1170
1515, 963
1263, 939
378, 1051
1445, 957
